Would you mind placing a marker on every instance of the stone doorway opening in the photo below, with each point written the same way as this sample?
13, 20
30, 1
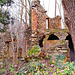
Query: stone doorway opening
53, 37
41, 41
71, 47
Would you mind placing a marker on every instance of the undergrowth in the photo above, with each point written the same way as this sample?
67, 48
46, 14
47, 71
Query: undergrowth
37, 67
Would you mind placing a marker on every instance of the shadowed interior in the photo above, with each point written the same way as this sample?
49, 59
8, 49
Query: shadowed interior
70, 46
53, 37
41, 41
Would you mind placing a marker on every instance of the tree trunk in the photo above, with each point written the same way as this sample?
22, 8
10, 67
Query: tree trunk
13, 61
72, 32
18, 41
55, 7
25, 25
69, 7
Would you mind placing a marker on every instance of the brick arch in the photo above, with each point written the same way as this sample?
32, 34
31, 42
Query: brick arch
66, 35
61, 35
53, 37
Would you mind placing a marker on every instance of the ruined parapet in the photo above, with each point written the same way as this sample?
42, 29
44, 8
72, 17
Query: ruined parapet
39, 18
55, 23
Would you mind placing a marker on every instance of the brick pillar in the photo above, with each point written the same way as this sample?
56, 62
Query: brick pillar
59, 21
34, 26
34, 19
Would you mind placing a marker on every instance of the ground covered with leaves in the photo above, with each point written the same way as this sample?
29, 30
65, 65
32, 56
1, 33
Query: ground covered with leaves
36, 64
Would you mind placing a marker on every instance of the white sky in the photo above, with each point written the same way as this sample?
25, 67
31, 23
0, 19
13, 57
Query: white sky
49, 5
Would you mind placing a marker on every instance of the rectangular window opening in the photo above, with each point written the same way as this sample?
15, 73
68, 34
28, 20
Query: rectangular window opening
47, 23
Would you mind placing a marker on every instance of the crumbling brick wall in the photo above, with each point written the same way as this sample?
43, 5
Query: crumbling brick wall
39, 16
38, 21
34, 19
55, 23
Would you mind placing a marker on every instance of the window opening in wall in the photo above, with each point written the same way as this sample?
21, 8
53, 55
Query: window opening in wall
47, 23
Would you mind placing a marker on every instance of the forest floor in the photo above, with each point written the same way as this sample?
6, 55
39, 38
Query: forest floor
40, 66
37, 63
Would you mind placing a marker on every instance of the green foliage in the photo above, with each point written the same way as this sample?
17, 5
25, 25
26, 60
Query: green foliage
36, 68
5, 20
60, 57
11, 69
59, 60
59, 68
3, 70
3, 2
34, 51
4, 17
50, 60
2, 30
62, 68
69, 69
47, 56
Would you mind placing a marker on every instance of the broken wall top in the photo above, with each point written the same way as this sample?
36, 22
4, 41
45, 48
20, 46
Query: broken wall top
39, 17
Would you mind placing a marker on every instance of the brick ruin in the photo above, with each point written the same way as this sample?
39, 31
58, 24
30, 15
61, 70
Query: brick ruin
46, 32
39, 19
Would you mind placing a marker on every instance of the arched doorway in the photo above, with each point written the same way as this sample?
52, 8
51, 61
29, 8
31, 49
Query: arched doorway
41, 41
53, 37
70, 45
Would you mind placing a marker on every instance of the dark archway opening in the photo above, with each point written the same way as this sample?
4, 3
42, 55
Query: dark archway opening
41, 41
70, 46
53, 37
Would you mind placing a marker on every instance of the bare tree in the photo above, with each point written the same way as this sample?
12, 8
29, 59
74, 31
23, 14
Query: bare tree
25, 24
19, 33
11, 28
55, 7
